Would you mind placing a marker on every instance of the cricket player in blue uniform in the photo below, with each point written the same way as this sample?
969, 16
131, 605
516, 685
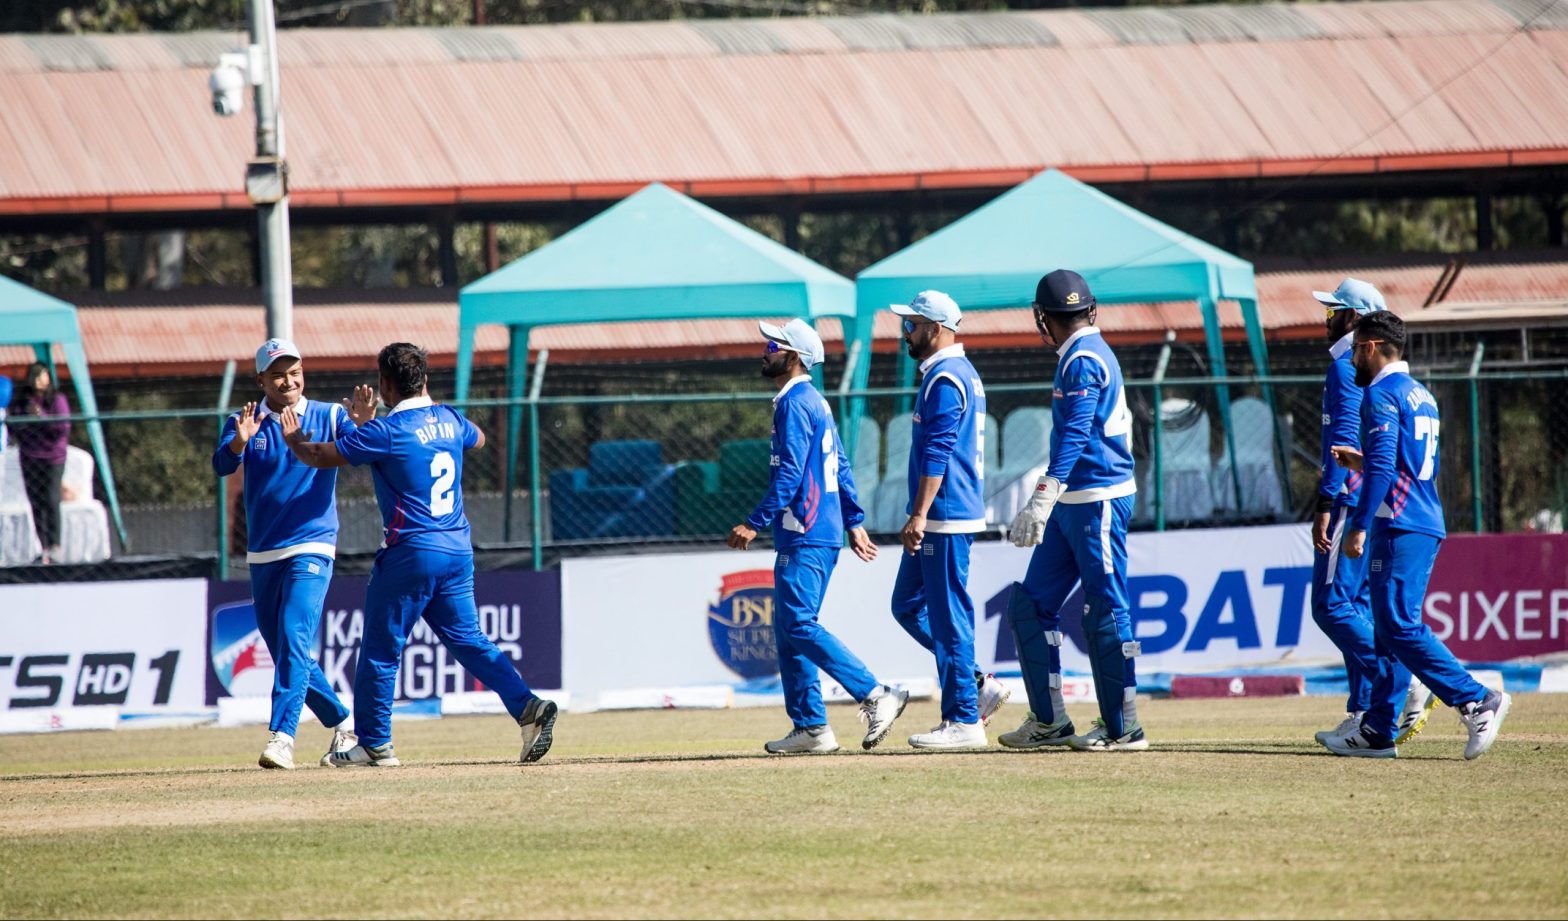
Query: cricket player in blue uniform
1400, 508
810, 502
1341, 596
291, 518
425, 567
1077, 522
946, 509
1341, 605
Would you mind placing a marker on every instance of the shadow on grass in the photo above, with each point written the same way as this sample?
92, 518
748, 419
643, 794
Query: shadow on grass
1290, 749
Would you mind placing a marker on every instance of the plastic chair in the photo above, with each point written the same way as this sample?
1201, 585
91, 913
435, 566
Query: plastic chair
1256, 467
1186, 461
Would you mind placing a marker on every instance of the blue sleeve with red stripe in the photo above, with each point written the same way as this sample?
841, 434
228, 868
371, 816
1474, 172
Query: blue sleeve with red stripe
791, 447
1342, 405
848, 496
1380, 433
368, 443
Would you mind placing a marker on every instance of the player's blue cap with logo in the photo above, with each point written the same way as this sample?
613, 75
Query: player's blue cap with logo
797, 336
1352, 294
934, 306
272, 350
1063, 291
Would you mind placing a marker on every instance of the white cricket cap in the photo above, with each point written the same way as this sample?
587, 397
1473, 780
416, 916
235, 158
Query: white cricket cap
1353, 294
934, 306
272, 350
797, 336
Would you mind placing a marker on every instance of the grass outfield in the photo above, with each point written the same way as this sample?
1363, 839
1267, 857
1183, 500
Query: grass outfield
1235, 813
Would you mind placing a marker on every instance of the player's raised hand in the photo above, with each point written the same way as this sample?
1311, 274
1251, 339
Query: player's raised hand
1347, 457
913, 533
741, 537
248, 424
362, 405
861, 543
292, 432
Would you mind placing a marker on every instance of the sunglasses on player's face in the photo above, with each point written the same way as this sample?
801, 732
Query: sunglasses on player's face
773, 347
911, 324
1365, 342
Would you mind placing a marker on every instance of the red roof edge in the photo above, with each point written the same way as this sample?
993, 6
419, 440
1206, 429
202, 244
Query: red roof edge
721, 188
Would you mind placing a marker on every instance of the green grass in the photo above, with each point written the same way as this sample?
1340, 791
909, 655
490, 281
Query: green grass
1235, 812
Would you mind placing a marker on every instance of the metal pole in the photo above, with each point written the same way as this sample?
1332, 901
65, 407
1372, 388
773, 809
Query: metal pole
1475, 434
277, 284
536, 519
1158, 473
224, 392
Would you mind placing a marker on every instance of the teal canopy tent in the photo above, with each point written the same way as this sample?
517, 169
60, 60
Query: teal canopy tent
993, 257
29, 317
657, 255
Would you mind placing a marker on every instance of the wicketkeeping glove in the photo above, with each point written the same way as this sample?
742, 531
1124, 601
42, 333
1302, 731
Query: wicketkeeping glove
1029, 526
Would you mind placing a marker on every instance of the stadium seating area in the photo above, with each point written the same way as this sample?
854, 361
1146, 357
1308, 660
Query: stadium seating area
627, 490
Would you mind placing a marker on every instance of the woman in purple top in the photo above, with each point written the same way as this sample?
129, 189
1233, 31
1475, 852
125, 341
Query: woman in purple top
42, 446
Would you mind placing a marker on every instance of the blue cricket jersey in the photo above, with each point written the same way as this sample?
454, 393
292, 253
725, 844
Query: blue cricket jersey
1091, 429
415, 454
1399, 428
948, 440
1341, 425
811, 496
290, 508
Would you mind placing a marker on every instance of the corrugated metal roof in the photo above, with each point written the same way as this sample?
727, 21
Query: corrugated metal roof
195, 330
436, 116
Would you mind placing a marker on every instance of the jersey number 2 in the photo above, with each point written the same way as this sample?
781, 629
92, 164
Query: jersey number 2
444, 469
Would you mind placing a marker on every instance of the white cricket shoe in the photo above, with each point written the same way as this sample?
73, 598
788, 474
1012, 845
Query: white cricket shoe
1098, 740
538, 725
279, 753
992, 694
952, 735
815, 740
362, 755
1363, 743
1419, 704
1482, 719
1349, 724
343, 739
1034, 734
878, 713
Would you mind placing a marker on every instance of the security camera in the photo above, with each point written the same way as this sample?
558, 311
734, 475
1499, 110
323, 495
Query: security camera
228, 82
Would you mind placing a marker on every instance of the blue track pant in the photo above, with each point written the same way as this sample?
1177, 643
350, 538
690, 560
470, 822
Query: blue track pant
931, 602
405, 585
1400, 565
800, 580
1084, 542
1342, 609
287, 596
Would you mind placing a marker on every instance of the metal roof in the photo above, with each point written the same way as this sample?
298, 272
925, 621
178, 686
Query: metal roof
193, 331
105, 123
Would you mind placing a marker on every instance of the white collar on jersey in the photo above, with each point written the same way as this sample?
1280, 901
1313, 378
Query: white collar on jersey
412, 403
1393, 367
789, 385
1086, 331
956, 350
299, 408
1338, 349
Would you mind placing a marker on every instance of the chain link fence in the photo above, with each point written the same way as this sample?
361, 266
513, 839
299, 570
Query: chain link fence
624, 473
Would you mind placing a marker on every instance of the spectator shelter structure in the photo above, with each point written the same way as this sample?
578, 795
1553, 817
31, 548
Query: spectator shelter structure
32, 318
993, 257
657, 255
